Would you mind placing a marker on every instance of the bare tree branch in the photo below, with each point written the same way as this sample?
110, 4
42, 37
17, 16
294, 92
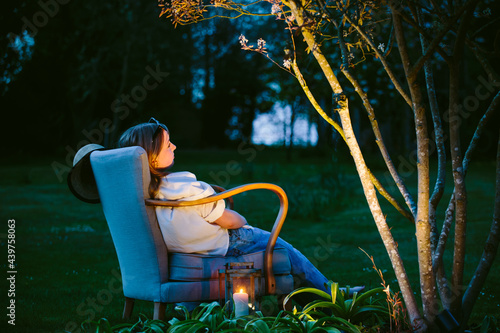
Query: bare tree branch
422, 31
376, 130
437, 40
439, 138
482, 60
489, 253
384, 62
380, 188
494, 106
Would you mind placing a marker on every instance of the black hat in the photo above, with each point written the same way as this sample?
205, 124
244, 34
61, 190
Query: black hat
81, 179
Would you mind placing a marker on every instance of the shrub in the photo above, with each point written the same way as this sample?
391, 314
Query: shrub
337, 309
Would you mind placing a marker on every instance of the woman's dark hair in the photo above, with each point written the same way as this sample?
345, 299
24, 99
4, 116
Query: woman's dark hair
142, 135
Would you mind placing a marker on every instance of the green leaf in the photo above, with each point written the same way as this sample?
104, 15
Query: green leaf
123, 330
286, 324
183, 310
194, 328
234, 330
158, 322
325, 329
138, 324
307, 290
103, 326
206, 311
334, 288
319, 304
345, 324
340, 296
184, 326
370, 293
348, 305
373, 308
121, 326
485, 325
87, 324
259, 325
173, 321
318, 327
296, 321
156, 328
369, 311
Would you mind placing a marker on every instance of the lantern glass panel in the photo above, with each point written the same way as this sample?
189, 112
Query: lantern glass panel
240, 277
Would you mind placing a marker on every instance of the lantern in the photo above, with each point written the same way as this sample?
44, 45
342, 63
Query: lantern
240, 282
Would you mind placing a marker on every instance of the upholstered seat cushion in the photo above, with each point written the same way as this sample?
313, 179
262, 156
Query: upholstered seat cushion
196, 277
194, 267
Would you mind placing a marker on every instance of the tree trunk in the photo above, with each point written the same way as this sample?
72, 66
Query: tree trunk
438, 191
460, 193
427, 279
383, 228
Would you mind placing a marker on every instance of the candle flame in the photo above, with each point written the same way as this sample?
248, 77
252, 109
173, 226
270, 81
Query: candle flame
241, 291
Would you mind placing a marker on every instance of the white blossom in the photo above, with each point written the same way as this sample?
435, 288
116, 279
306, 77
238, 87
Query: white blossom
381, 47
261, 43
243, 40
275, 9
287, 63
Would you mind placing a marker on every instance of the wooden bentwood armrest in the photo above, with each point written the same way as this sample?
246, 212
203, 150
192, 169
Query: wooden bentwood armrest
218, 189
280, 219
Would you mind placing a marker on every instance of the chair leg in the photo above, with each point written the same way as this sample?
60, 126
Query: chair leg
160, 310
129, 306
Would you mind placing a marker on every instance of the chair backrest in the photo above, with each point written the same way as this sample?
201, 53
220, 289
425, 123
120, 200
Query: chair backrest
122, 177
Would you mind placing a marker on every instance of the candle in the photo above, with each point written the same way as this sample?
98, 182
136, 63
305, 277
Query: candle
240, 303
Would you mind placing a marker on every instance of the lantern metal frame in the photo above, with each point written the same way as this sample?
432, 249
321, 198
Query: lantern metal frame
238, 275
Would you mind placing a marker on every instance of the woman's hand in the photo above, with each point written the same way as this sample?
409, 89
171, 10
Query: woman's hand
231, 219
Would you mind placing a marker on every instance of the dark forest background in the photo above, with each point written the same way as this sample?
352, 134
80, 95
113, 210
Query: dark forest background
87, 74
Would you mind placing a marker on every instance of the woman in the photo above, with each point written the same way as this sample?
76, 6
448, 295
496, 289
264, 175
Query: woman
207, 229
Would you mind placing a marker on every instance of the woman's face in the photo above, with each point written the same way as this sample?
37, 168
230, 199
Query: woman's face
166, 156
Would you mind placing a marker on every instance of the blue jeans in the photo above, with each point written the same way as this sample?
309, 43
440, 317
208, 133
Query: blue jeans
250, 239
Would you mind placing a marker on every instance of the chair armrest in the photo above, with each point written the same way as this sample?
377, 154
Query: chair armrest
280, 219
219, 189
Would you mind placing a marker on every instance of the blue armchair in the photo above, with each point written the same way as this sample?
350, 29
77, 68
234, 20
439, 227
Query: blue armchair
148, 271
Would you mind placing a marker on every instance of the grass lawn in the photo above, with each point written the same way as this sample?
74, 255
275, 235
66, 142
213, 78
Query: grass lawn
67, 270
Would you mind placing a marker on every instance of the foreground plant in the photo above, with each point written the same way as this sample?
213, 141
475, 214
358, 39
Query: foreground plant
395, 308
214, 318
334, 314
144, 325
363, 310
207, 317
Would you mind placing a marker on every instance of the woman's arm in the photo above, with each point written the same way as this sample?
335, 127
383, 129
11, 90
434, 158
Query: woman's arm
231, 219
